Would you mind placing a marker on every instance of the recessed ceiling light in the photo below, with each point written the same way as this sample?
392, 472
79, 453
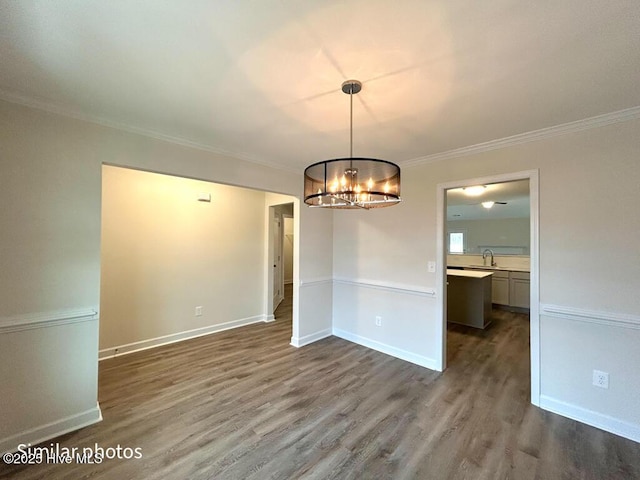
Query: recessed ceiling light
474, 191
487, 204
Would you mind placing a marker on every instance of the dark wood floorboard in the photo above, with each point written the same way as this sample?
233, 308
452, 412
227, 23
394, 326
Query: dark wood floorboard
244, 404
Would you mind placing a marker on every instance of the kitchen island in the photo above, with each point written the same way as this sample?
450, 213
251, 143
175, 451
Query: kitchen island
469, 297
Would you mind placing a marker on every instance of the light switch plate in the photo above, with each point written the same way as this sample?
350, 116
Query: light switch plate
431, 267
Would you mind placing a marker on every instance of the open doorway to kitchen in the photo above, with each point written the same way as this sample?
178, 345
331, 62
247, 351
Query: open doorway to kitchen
470, 255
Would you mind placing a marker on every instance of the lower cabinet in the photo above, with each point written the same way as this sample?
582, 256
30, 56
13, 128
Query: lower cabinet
519, 289
500, 288
509, 288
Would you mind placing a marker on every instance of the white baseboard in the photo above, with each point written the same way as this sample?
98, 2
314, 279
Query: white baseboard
595, 419
307, 339
270, 318
423, 361
51, 430
113, 352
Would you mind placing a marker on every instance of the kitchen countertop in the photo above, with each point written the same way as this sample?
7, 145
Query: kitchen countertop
469, 273
504, 269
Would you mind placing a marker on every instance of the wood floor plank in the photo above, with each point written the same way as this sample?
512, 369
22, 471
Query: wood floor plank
244, 404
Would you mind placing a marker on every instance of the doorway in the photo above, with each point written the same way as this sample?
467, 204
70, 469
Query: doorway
280, 256
180, 258
441, 272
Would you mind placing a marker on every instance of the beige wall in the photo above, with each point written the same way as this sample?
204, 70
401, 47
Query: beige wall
164, 253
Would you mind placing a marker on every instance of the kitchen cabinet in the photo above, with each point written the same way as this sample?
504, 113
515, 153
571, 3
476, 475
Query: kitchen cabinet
508, 288
519, 289
500, 288
469, 297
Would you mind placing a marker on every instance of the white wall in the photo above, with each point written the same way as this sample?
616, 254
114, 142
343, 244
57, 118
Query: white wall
50, 274
288, 250
50, 244
164, 253
312, 272
589, 235
503, 232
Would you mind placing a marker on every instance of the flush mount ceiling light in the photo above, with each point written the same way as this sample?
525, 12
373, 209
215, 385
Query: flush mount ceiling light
491, 204
352, 182
474, 191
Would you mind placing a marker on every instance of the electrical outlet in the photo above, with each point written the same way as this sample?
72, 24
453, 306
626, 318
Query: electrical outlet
378, 321
431, 267
198, 311
600, 379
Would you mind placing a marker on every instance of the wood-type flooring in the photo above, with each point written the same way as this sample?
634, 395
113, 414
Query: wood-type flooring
244, 404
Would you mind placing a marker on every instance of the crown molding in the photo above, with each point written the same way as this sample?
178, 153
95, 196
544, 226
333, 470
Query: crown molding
49, 107
619, 116
598, 121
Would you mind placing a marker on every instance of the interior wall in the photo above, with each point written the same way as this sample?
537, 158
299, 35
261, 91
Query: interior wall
164, 253
50, 242
503, 232
312, 272
288, 250
588, 275
50, 276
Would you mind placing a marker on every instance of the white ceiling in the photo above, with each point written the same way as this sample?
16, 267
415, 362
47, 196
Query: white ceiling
261, 79
515, 194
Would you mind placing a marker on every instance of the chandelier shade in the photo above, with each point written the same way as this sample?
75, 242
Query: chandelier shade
352, 182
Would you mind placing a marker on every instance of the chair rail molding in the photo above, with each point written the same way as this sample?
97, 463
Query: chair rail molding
387, 286
32, 321
622, 320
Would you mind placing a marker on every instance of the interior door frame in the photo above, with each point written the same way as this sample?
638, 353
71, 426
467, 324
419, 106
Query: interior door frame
284, 239
273, 210
441, 265
278, 270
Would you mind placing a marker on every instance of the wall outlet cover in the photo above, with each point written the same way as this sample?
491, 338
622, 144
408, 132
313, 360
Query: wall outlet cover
600, 379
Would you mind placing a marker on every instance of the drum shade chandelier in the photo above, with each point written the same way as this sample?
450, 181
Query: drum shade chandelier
352, 182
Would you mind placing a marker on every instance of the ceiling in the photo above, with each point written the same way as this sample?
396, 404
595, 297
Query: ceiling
515, 194
260, 80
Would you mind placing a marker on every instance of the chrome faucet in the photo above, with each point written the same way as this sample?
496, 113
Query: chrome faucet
487, 251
